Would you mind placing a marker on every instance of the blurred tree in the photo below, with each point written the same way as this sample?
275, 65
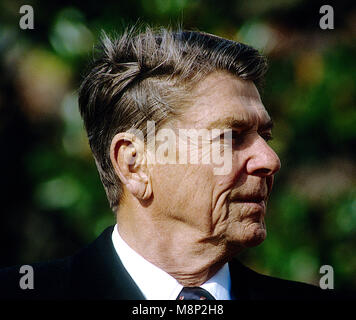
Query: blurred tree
51, 195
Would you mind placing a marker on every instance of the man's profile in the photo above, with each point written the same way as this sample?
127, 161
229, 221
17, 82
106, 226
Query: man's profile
180, 221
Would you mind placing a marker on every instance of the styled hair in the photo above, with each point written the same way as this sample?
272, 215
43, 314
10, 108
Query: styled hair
147, 76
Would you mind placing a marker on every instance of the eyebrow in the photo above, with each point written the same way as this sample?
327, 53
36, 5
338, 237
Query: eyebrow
231, 122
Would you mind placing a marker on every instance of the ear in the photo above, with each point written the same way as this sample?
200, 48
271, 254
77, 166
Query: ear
127, 155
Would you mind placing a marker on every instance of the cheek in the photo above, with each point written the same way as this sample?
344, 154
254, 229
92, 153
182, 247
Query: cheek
193, 198
234, 178
223, 186
182, 189
169, 187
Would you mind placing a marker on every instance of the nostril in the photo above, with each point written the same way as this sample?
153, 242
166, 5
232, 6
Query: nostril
262, 171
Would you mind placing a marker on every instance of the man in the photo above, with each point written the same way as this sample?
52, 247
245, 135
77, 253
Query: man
180, 220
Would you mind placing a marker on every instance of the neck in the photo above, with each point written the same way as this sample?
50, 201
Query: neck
188, 255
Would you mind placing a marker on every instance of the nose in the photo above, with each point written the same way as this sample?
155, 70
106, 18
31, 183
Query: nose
263, 161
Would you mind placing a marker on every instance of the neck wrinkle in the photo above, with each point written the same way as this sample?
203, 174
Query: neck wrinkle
177, 249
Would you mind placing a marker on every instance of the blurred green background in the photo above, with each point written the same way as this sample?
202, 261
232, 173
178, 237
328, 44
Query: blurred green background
52, 201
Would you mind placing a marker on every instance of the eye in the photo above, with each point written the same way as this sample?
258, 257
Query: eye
267, 136
235, 137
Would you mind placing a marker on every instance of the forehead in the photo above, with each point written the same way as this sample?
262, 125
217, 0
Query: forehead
224, 98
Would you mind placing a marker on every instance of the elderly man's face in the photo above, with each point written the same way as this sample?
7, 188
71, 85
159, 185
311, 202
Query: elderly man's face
229, 208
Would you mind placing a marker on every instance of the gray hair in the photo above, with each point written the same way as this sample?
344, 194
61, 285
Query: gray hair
147, 76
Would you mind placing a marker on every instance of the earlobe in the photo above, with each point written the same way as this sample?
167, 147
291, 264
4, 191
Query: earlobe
128, 159
148, 190
139, 188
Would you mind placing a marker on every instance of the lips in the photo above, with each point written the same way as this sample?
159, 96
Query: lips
255, 203
250, 199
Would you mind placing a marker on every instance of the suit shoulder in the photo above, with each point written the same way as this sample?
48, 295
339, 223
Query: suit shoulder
264, 287
41, 280
77, 276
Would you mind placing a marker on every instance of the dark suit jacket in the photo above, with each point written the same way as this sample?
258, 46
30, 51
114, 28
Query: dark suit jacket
96, 272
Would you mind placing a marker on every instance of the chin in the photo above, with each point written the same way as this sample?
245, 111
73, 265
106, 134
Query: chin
256, 239
252, 237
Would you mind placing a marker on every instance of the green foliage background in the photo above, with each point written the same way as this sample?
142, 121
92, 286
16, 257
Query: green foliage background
52, 201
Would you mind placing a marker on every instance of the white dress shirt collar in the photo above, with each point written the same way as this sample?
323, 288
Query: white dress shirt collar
156, 284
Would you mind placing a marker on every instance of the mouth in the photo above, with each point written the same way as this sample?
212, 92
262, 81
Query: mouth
257, 201
250, 198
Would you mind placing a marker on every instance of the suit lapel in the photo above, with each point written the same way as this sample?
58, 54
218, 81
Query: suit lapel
97, 272
239, 281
